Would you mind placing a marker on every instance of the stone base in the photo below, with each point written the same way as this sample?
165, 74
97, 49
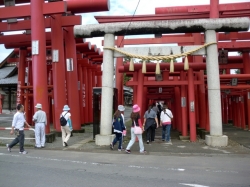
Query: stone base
104, 139
50, 138
216, 141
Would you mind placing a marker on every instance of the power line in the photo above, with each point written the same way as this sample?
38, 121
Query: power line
130, 22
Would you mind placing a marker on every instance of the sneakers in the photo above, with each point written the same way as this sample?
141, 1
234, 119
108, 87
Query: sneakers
143, 152
37, 147
65, 143
9, 149
128, 151
23, 152
147, 141
111, 146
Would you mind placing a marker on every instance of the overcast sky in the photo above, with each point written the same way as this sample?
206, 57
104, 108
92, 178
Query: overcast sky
127, 7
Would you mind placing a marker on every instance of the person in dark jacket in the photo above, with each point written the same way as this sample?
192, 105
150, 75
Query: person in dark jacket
118, 125
150, 123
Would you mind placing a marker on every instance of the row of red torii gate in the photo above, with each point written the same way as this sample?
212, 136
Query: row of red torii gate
73, 66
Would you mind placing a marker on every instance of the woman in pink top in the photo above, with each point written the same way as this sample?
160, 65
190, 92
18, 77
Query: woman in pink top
166, 117
136, 120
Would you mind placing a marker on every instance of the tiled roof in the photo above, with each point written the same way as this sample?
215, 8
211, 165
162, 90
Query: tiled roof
5, 71
9, 80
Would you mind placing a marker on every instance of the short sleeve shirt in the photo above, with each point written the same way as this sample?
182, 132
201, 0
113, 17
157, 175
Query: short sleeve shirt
67, 116
151, 114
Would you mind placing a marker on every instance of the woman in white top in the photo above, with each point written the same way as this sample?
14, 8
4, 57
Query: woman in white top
66, 130
166, 118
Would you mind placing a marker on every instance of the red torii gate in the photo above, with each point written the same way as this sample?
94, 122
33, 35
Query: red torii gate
64, 82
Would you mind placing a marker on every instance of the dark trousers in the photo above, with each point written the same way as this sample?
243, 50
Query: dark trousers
118, 137
151, 133
19, 139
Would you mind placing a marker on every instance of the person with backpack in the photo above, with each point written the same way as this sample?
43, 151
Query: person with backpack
66, 124
118, 126
136, 130
40, 120
150, 124
166, 118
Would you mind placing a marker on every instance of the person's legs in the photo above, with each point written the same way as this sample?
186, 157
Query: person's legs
116, 139
132, 141
14, 142
139, 136
168, 133
63, 135
148, 134
119, 136
38, 135
68, 132
163, 132
42, 134
153, 133
21, 140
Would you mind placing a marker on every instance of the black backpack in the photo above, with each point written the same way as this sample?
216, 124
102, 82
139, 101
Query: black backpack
63, 121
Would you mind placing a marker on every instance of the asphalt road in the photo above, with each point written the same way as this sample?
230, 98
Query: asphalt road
40, 168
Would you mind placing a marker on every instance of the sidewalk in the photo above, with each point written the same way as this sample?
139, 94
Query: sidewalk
239, 142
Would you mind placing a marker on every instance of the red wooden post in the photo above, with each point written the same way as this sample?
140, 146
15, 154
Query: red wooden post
21, 75
242, 111
202, 100
40, 87
58, 66
90, 94
73, 97
140, 91
191, 104
79, 69
177, 105
184, 105
85, 93
135, 78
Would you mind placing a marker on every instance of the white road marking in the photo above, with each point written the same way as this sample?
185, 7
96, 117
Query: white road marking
193, 185
215, 149
94, 163
181, 146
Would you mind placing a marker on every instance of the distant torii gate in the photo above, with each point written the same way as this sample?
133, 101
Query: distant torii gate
209, 26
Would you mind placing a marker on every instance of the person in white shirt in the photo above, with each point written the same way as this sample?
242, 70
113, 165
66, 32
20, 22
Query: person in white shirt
40, 120
18, 125
66, 132
166, 118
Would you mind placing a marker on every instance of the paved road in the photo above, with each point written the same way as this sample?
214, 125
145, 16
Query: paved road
42, 168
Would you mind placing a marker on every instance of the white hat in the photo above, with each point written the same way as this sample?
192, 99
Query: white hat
121, 108
38, 105
66, 108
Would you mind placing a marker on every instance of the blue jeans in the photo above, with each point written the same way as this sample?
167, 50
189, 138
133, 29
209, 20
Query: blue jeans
19, 139
166, 132
118, 137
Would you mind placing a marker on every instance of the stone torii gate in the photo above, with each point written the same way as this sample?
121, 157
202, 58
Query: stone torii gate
208, 26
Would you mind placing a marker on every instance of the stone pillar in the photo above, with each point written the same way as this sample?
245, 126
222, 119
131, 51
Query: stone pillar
216, 138
105, 137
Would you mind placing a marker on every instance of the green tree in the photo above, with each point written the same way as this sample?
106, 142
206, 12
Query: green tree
125, 77
168, 60
237, 71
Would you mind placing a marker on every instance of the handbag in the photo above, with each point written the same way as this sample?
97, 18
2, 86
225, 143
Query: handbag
137, 130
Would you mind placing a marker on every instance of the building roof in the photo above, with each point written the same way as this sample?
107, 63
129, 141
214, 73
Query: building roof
9, 80
6, 71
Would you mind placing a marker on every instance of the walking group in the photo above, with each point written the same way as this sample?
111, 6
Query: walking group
40, 120
155, 116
